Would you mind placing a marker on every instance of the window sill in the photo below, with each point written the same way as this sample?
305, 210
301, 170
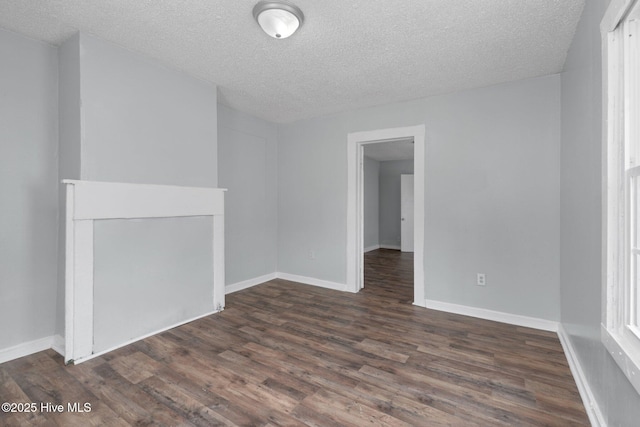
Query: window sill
625, 350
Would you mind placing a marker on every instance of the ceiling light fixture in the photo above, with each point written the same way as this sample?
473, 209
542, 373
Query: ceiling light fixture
277, 18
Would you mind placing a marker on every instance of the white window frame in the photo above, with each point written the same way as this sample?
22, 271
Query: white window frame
621, 110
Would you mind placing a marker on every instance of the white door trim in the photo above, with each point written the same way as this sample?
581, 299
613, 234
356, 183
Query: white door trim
355, 209
406, 211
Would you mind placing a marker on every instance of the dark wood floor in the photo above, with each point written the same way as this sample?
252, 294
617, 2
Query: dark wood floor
388, 274
282, 353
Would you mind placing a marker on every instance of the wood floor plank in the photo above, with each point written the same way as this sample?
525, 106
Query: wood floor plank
349, 412
287, 354
173, 397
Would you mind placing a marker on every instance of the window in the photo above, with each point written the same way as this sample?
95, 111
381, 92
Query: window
621, 323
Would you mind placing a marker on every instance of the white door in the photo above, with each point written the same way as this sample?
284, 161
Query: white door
406, 213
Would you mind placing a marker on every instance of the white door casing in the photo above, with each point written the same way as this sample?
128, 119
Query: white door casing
355, 209
406, 212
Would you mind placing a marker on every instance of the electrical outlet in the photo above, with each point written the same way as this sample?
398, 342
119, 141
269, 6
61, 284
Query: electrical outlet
312, 254
481, 279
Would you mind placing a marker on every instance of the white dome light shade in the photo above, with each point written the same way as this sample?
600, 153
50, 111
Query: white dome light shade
279, 24
278, 19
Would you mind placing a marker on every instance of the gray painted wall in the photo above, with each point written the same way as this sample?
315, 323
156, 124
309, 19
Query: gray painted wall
581, 242
371, 202
142, 284
390, 172
492, 194
312, 198
28, 174
144, 123
249, 152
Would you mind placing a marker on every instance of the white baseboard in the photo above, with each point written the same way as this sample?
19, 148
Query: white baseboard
58, 344
497, 316
235, 287
371, 248
588, 399
392, 247
285, 276
25, 349
312, 281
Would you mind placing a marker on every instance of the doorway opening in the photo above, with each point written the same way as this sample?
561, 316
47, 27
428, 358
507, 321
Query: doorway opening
388, 275
356, 143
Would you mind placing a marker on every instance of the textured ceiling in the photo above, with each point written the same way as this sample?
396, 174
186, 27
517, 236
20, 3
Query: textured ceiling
346, 55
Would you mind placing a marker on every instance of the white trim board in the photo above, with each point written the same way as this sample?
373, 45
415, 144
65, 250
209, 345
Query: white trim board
305, 280
614, 13
381, 246
588, 399
115, 200
25, 349
391, 247
312, 281
496, 316
246, 284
